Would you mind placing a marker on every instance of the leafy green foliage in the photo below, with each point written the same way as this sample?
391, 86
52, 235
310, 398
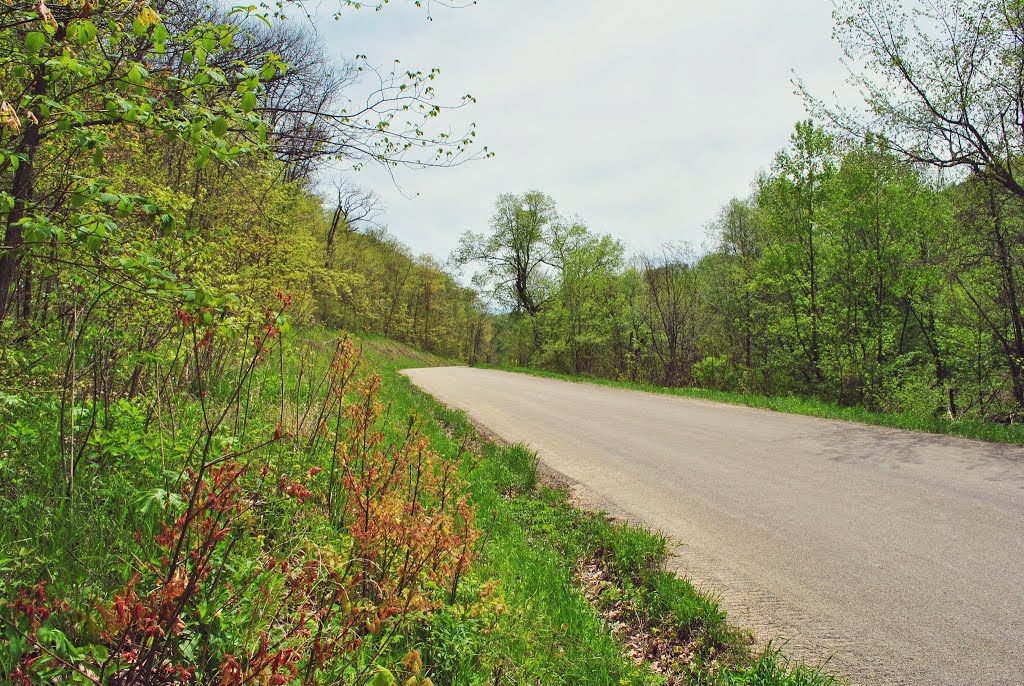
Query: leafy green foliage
849, 278
279, 529
183, 496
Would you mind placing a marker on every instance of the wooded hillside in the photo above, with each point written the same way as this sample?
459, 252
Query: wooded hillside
848, 274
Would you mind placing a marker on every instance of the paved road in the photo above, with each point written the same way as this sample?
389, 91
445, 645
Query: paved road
900, 555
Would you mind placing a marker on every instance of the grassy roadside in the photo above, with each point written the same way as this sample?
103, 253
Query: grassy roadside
325, 543
584, 601
811, 407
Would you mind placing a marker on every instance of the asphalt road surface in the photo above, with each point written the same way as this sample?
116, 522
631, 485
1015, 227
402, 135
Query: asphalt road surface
897, 556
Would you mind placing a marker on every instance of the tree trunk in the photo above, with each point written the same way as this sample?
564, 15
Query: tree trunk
21, 191
1015, 355
815, 348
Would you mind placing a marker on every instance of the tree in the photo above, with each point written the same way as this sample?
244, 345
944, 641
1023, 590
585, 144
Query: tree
739, 244
515, 254
790, 201
291, 103
944, 82
588, 265
671, 312
986, 264
876, 278
76, 80
355, 208
943, 78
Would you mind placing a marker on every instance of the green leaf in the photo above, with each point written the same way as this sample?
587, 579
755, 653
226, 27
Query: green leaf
203, 156
157, 500
38, 232
220, 127
34, 41
383, 677
137, 75
160, 37
248, 101
84, 31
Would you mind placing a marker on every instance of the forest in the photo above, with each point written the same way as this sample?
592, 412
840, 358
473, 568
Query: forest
848, 274
875, 263
205, 479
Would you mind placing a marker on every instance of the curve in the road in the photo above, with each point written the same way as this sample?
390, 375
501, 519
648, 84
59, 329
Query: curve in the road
898, 555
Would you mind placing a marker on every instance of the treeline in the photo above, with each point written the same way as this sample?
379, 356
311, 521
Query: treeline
877, 263
848, 274
173, 157
379, 287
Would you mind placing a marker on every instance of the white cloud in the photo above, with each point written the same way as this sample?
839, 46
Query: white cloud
641, 118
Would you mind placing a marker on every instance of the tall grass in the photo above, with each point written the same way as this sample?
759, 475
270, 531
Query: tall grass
279, 580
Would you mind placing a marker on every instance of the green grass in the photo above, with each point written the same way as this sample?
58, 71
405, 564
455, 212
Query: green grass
811, 407
546, 631
774, 668
534, 538
519, 616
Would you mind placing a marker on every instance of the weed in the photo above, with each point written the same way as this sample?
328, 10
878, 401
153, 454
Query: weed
337, 526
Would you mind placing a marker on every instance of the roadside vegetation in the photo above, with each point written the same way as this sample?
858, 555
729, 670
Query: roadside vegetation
874, 271
564, 577
203, 481
331, 525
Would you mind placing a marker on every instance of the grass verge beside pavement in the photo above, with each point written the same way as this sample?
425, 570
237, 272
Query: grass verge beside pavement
991, 432
575, 599
266, 566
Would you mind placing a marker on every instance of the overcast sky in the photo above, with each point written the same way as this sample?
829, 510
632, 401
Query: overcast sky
641, 118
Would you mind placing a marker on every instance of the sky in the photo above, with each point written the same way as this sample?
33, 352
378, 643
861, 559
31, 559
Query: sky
639, 118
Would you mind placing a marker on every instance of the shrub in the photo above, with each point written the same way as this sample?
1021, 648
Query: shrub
304, 556
715, 372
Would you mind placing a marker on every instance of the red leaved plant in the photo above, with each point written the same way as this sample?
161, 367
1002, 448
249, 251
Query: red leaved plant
324, 612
